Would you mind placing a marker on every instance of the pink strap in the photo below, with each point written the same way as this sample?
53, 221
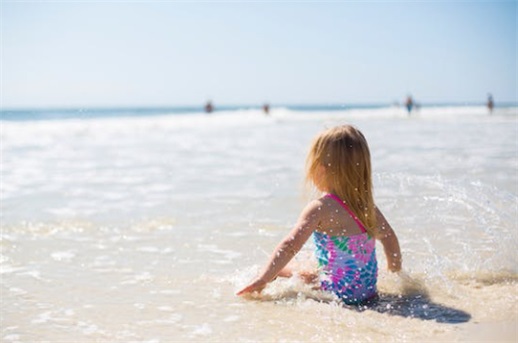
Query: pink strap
360, 225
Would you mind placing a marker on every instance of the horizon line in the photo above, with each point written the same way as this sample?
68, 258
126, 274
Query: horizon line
345, 105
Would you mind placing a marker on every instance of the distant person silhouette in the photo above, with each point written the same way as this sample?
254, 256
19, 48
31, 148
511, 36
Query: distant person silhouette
490, 103
209, 107
409, 103
266, 109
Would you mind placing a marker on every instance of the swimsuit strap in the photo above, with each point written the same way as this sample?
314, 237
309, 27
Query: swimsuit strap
337, 199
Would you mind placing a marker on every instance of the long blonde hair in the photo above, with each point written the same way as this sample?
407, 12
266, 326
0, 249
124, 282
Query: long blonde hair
344, 153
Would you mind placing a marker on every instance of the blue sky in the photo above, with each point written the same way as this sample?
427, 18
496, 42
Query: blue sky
80, 54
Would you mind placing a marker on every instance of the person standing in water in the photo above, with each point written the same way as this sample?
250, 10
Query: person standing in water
409, 104
209, 107
490, 103
266, 109
344, 222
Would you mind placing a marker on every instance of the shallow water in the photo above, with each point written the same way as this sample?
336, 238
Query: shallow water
143, 228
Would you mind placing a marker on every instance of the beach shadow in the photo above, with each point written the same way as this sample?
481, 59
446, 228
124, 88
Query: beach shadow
417, 306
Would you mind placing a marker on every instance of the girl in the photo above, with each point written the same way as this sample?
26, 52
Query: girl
344, 222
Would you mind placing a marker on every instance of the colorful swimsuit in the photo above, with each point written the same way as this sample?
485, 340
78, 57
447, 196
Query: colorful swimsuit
348, 265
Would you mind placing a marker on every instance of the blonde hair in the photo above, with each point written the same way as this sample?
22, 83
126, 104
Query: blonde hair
344, 153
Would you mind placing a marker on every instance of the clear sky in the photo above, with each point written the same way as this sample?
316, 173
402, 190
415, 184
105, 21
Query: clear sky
166, 53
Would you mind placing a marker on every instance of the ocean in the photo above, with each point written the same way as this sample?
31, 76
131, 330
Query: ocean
141, 224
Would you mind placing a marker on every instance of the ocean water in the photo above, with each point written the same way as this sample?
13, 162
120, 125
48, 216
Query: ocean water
141, 226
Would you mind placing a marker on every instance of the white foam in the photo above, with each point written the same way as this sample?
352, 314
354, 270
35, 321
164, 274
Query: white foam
12, 337
202, 330
63, 255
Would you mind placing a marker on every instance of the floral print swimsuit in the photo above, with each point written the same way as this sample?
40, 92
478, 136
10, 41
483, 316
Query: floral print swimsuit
348, 265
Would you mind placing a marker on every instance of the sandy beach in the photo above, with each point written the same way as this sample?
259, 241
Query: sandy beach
142, 228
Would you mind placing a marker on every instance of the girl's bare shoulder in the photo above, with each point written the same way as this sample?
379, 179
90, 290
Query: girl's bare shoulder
335, 220
324, 203
322, 208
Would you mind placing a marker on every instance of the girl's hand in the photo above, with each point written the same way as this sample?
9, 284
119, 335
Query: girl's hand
395, 264
256, 286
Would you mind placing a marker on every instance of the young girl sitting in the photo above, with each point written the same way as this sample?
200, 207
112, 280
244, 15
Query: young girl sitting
344, 222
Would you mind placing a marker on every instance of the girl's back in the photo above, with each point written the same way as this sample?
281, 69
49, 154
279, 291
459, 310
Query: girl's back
345, 252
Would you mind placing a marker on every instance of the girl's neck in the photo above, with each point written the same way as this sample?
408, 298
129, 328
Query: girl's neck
326, 190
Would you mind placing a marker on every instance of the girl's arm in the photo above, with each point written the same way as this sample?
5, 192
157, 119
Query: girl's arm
388, 238
288, 247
